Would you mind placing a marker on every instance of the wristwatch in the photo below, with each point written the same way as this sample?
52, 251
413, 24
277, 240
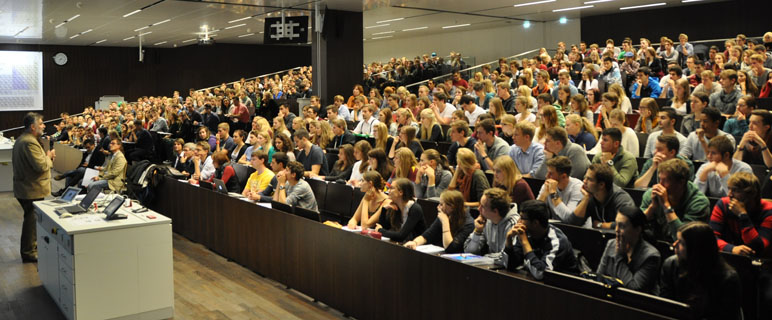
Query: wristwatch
610, 162
669, 210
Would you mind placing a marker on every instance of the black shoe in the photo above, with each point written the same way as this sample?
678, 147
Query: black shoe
29, 258
58, 177
58, 193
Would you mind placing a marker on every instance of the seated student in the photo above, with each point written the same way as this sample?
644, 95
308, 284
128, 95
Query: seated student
75, 176
461, 138
114, 171
310, 155
667, 119
452, 226
691, 122
224, 171
184, 161
279, 163
408, 140
488, 146
468, 178
202, 162
672, 202
143, 148
404, 218
629, 257
602, 199
471, 110
697, 143
365, 126
491, 227
507, 177
752, 148
430, 128
622, 163
713, 176
528, 155
539, 246
561, 191
224, 140
742, 221
433, 176
581, 132
737, 125
726, 99
342, 135
645, 85
698, 276
382, 138
240, 149
377, 161
405, 165
344, 166
369, 210
343, 111
557, 144
260, 179
665, 149
361, 165
292, 189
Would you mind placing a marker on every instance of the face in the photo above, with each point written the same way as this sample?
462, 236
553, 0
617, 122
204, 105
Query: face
707, 124
114, 146
403, 137
498, 175
590, 183
222, 132
607, 64
177, 147
331, 114
740, 77
365, 186
395, 195
664, 120
299, 143
680, 248
255, 162
572, 128
607, 103
551, 145
201, 152
367, 113
445, 208
507, 128
697, 104
608, 145
625, 229
485, 209
552, 173
372, 162
757, 125
455, 136
481, 134
202, 134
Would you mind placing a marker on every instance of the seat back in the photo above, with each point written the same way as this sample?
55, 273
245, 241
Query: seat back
591, 242
338, 200
355, 201
429, 207
242, 173
320, 192
535, 184
308, 214
281, 206
642, 139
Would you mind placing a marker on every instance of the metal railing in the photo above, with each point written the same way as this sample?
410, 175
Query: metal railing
252, 78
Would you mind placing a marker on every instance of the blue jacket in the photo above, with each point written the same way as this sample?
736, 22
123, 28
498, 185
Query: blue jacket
652, 90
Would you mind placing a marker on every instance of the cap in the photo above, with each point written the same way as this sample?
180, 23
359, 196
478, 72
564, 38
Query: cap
629, 54
434, 54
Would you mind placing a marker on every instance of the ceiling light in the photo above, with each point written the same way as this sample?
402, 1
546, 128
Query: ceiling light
236, 26
161, 22
413, 29
384, 37
242, 19
143, 28
59, 25
146, 33
100, 41
262, 32
189, 40
385, 32
456, 26
687, 1
73, 17
533, 3
75, 36
573, 8
87, 31
130, 13
644, 6
390, 20
597, 1
129, 38
247, 35
377, 26
527, 24
159, 43
563, 20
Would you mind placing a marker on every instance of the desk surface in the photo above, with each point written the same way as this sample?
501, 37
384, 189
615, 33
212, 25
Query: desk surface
94, 222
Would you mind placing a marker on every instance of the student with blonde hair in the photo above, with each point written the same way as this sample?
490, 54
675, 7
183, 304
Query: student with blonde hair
468, 179
430, 129
507, 176
451, 227
405, 165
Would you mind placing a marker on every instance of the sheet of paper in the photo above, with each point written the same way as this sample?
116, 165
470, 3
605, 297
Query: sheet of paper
90, 174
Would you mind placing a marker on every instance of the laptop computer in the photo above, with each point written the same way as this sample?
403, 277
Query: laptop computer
219, 186
67, 196
83, 205
205, 184
112, 209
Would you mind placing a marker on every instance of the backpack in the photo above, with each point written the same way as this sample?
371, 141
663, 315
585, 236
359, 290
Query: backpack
140, 183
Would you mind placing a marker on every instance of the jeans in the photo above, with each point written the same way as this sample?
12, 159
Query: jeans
73, 177
28, 246
101, 184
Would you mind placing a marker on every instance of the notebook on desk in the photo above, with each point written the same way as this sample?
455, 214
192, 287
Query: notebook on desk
67, 197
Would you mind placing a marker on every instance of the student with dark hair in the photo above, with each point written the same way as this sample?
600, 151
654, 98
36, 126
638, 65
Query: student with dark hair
645, 85
224, 171
712, 177
369, 211
488, 147
292, 189
471, 110
433, 176
451, 227
537, 244
602, 199
557, 144
491, 226
753, 148
277, 165
742, 221
698, 276
737, 125
672, 202
621, 162
691, 122
697, 143
344, 166
404, 218
665, 149
726, 99
461, 139
628, 257
310, 155
667, 119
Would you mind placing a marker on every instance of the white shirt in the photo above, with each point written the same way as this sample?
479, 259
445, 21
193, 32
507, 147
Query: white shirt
366, 127
472, 116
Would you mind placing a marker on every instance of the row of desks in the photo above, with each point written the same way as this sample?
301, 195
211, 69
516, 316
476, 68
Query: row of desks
363, 277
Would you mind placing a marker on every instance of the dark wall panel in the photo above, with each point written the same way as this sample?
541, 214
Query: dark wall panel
700, 22
92, 72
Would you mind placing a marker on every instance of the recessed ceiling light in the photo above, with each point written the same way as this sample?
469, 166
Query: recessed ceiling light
563, 20
384, 37
413, 29
597, 1
687, 1
129, 38
73, 17
573, 8
75, 36
377, 26
189, 40
242, 19
526, 24
59, 25
236, 26
533, 3
644, 6
457, 26
159, 43
140, 29
146, 33
161, 22
390, 20
100, 41
247, 35
385, 32
87, 31
130, 13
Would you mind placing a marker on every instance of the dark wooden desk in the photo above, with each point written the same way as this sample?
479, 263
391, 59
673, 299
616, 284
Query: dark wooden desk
364, 277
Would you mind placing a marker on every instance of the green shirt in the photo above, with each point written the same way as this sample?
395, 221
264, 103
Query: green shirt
655, 179
561, 117
693, 207
625, 167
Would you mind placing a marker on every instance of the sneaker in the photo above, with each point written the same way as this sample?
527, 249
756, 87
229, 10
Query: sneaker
58, 177
58, 193
29, 258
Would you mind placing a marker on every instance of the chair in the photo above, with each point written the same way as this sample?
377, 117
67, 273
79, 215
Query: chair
320, 192
535, 184
636, 193
749, 276
489, 175
651, 303
242, 173
642, 139
338, 200
281, 206
591, 242
355, 201
640, 161
428, 144
712, 202
308, 214
331, 159
429, 207
443, 147
759, 171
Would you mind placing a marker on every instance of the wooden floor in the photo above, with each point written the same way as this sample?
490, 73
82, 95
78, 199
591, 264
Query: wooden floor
206, 285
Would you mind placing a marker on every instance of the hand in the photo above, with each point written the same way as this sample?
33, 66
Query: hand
584, 191
743, 250
479, 224
281, 177
442, 216
722, 169
429, 171
51, 154
606, 156
622, 246
737, 207
548, 155
410, 245
740, 116
480, 147
378, 226
95, 178
658, 158
551, 185
217, 135
421, 170
352, 224
390, 204
710, 166
700, 133
660, 192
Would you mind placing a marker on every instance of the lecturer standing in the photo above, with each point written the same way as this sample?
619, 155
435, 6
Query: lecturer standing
31, 179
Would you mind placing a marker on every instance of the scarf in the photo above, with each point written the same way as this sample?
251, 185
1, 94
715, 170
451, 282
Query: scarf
465, 185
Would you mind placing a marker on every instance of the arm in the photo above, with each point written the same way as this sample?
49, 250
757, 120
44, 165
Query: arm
564, 208
648, 172
457, 241
414, 216
433, 189
116, 169
626, 173
358, 214
646, 276
227, 174
580, 213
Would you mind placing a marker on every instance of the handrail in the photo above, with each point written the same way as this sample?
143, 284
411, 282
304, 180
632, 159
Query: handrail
470, 68
252, 78
47, 121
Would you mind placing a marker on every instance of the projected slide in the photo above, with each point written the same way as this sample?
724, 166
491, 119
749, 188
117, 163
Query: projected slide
21, 80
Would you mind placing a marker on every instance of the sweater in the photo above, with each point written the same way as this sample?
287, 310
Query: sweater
720, 301
552, 252
433, 234
412, 223
693, 207
716, 186
640, 273
492, 240
442, 180
579, 161
603, 212
725, 102
753, 229
625, 167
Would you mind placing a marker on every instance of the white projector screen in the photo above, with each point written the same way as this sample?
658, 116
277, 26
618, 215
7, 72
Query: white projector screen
21, 80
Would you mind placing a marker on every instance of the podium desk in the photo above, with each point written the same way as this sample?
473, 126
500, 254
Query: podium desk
98, 269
